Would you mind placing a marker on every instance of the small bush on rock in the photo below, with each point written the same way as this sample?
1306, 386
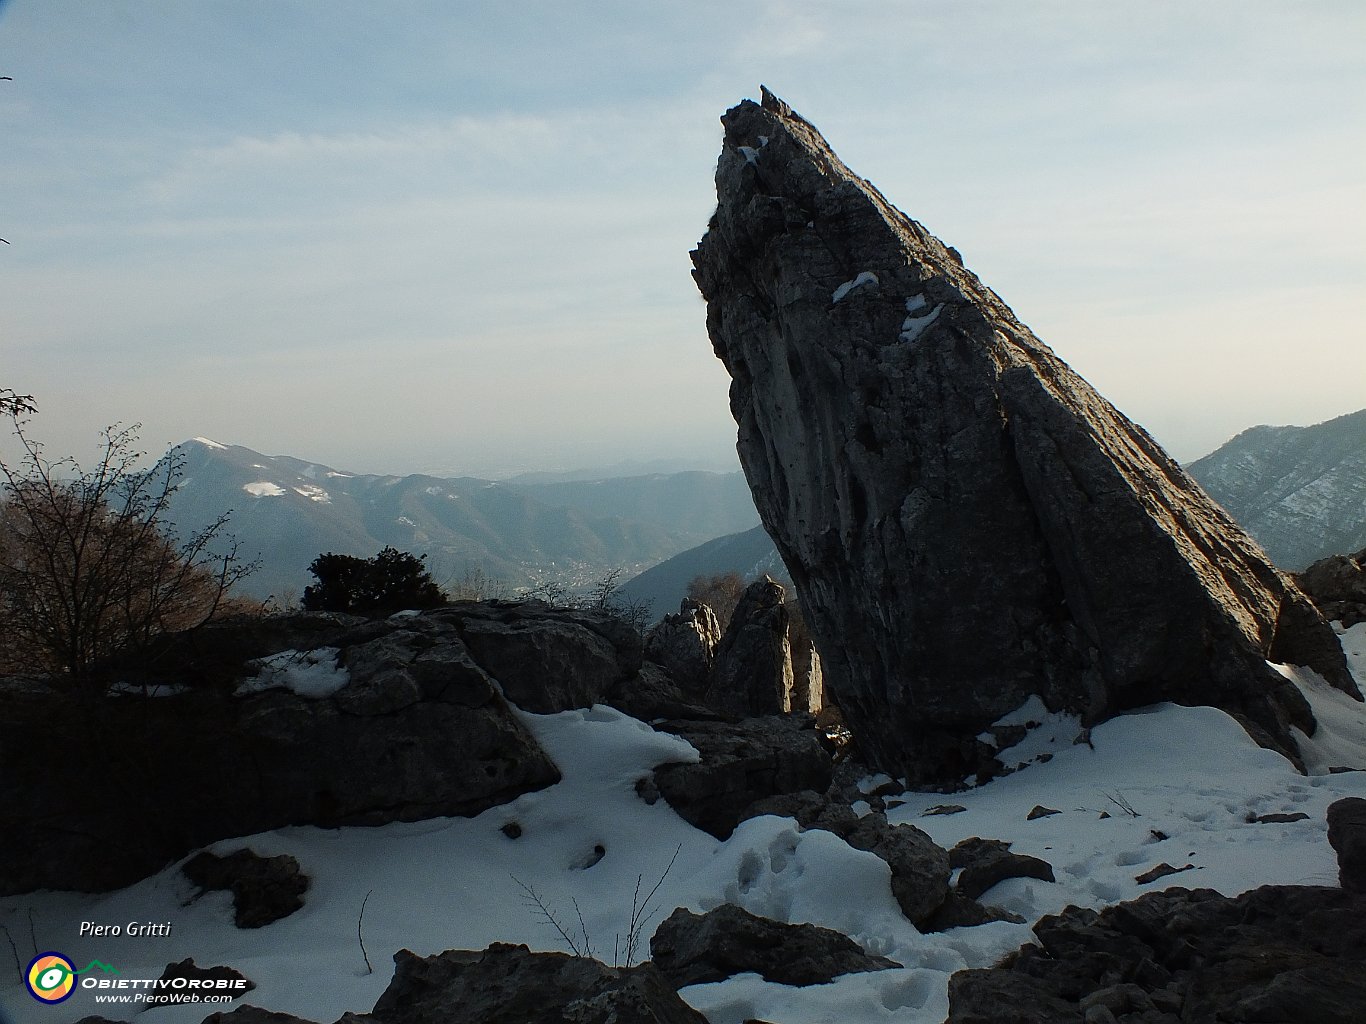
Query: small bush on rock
390, 582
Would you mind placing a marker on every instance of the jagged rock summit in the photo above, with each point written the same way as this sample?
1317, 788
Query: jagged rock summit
968, 522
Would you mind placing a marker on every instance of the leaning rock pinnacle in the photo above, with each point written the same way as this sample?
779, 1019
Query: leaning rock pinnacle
967, 521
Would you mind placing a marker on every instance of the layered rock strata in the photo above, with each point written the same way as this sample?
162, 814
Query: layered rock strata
967, 521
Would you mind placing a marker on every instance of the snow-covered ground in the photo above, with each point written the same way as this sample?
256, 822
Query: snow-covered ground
1191, 777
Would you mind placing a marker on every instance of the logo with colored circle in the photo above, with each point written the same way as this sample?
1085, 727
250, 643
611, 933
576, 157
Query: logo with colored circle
50, 978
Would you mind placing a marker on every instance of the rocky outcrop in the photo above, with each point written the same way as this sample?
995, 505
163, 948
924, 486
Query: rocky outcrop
507, 984
1338, 586
418, 728
752, 672
741, 763
684, 644
264, 889
691, 949
967, 521
547, 659
1290, 954
1347, 836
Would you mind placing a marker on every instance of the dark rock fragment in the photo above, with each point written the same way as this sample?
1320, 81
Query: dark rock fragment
188, 971
942, 809
1278, 819
694, 948
255, 1015
264, 889
1160, 871
985, 862
959, 911
1347, 836
507, 984
1337, 585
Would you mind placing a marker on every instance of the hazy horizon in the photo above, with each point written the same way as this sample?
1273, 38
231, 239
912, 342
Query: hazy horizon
447, 239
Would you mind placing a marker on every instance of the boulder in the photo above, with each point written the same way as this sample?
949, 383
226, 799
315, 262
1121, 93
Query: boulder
752, 671
959, 911
1291, 954
419, 730
548, 659
685, 645
192, 972
741, 762
920, 867
985, 862
264, 889
507, 984
967, 521
691, 949
1347, 836
1338, 586
651, 694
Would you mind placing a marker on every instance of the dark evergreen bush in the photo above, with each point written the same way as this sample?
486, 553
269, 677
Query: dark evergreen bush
390, 582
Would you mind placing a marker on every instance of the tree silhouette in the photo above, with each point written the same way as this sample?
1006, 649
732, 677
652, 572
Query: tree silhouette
90, 567
390, 582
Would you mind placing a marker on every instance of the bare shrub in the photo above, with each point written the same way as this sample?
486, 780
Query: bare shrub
90, 566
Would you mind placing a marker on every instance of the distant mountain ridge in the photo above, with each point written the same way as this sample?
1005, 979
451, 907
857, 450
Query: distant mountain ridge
1299, 491
750, 553
287, 511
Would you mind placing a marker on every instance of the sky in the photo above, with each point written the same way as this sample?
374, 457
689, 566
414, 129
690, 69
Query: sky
454, 238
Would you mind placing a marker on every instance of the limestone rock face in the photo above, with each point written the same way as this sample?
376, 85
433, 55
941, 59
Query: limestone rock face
752, 671
967, 521
685, 644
